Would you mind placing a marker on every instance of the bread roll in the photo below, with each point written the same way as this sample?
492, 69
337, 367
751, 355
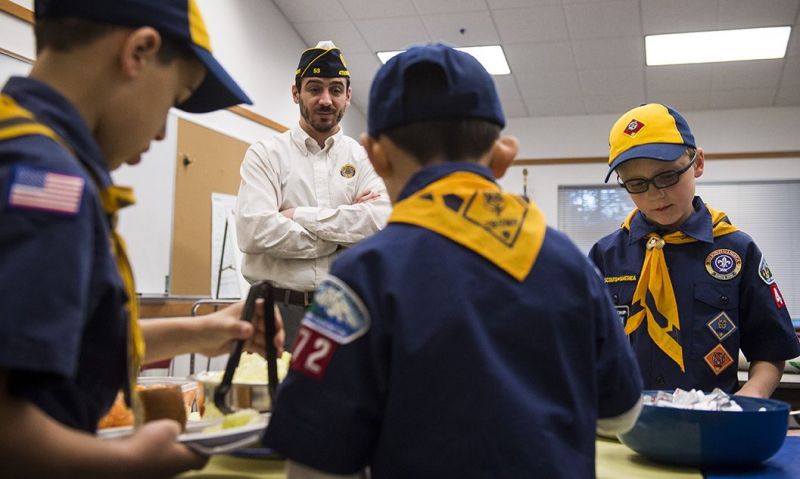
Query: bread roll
160, 402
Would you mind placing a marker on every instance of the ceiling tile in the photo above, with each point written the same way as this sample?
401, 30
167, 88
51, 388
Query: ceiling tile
478, 28
788, 96
501, 4
603, 20
364, 9
311, 10
525, 58
540, 24
611, 104
514, 108
393, 33
791, 72
747, 13
793, 50
742, 98
617, 82
677, 16
555, 106
682, 101
549, 83
750, 74
679, 78
361, 94
362, 66
506, 86
425, 7
343, 33
609, 53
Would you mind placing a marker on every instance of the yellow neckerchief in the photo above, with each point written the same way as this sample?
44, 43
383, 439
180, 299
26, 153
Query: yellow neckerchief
15, 122
654, 279
475, 213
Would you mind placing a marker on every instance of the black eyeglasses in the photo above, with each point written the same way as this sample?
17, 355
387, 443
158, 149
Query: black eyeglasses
661, 180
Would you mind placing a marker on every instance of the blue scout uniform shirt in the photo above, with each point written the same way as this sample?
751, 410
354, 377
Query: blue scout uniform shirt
63, 328
434, 362
720, 311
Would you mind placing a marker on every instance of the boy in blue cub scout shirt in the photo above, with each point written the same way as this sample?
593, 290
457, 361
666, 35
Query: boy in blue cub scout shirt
467, 339
690, 287
105, 77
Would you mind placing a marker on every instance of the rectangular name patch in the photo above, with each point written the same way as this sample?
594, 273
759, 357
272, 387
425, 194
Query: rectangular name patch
37, 189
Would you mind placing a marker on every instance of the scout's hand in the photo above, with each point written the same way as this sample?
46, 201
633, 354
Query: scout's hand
367, 196
216, 331
154, 452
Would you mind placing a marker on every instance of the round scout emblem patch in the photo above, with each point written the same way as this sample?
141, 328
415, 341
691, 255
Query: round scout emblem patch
348, 171
723, 264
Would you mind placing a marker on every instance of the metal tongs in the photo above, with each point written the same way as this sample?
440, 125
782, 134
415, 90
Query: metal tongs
262, 289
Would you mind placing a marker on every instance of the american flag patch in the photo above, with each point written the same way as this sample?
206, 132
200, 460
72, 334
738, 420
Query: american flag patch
32, 188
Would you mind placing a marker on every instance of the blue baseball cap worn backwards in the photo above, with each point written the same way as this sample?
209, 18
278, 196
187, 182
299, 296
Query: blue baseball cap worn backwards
469, 93
178, 19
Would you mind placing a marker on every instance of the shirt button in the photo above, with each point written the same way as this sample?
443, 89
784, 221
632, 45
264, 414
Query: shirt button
615, 297
660, 380
724, 299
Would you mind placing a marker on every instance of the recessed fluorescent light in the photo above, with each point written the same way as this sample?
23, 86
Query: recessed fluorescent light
717, 46
491, 57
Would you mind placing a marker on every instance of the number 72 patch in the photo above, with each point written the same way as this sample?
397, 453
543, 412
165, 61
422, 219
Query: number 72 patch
337, 317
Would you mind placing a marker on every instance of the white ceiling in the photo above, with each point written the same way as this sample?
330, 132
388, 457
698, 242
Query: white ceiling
567, 57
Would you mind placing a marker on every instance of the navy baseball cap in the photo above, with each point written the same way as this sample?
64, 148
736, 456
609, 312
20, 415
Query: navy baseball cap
469, 92
178, 19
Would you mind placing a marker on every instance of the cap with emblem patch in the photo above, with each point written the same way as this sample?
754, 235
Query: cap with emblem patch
323, 61
178, 19
653, 131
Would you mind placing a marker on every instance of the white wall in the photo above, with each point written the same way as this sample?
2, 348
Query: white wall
730, 131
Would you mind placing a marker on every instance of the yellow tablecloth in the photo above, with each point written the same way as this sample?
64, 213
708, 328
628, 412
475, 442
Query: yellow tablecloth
614, 461
228, 467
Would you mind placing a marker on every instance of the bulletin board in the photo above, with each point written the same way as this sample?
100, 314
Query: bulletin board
207, 162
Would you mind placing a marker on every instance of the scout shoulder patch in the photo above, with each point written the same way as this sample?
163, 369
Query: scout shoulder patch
45, 190
723, 264
718, 359
337, 312
721, 326
764, 272
777, 296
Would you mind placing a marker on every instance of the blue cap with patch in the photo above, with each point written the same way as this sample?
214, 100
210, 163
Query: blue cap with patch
469, 91
178, 19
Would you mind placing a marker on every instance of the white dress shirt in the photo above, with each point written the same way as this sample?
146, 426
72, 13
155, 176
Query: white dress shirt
290, 170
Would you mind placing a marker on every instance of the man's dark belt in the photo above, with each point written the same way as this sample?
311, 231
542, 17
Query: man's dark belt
290, 296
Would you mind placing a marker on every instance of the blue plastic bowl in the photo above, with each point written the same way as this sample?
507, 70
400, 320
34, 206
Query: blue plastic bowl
710, 438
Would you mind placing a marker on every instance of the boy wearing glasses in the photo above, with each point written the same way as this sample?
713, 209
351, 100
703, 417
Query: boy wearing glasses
691, 289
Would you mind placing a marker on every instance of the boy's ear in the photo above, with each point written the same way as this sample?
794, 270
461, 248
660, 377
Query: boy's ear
699, 163
139, 49
377, 155
503, 152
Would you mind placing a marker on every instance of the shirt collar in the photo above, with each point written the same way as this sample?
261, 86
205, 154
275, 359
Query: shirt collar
429, 174
309, 145
55, 111
698, 225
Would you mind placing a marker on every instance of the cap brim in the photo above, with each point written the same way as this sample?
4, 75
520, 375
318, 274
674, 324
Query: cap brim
218, 90
653, 151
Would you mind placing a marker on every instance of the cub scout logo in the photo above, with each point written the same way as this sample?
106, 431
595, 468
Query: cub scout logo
721, 326
633, 127
723, 264
502, 216
348, 171
764, 272
718, 359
